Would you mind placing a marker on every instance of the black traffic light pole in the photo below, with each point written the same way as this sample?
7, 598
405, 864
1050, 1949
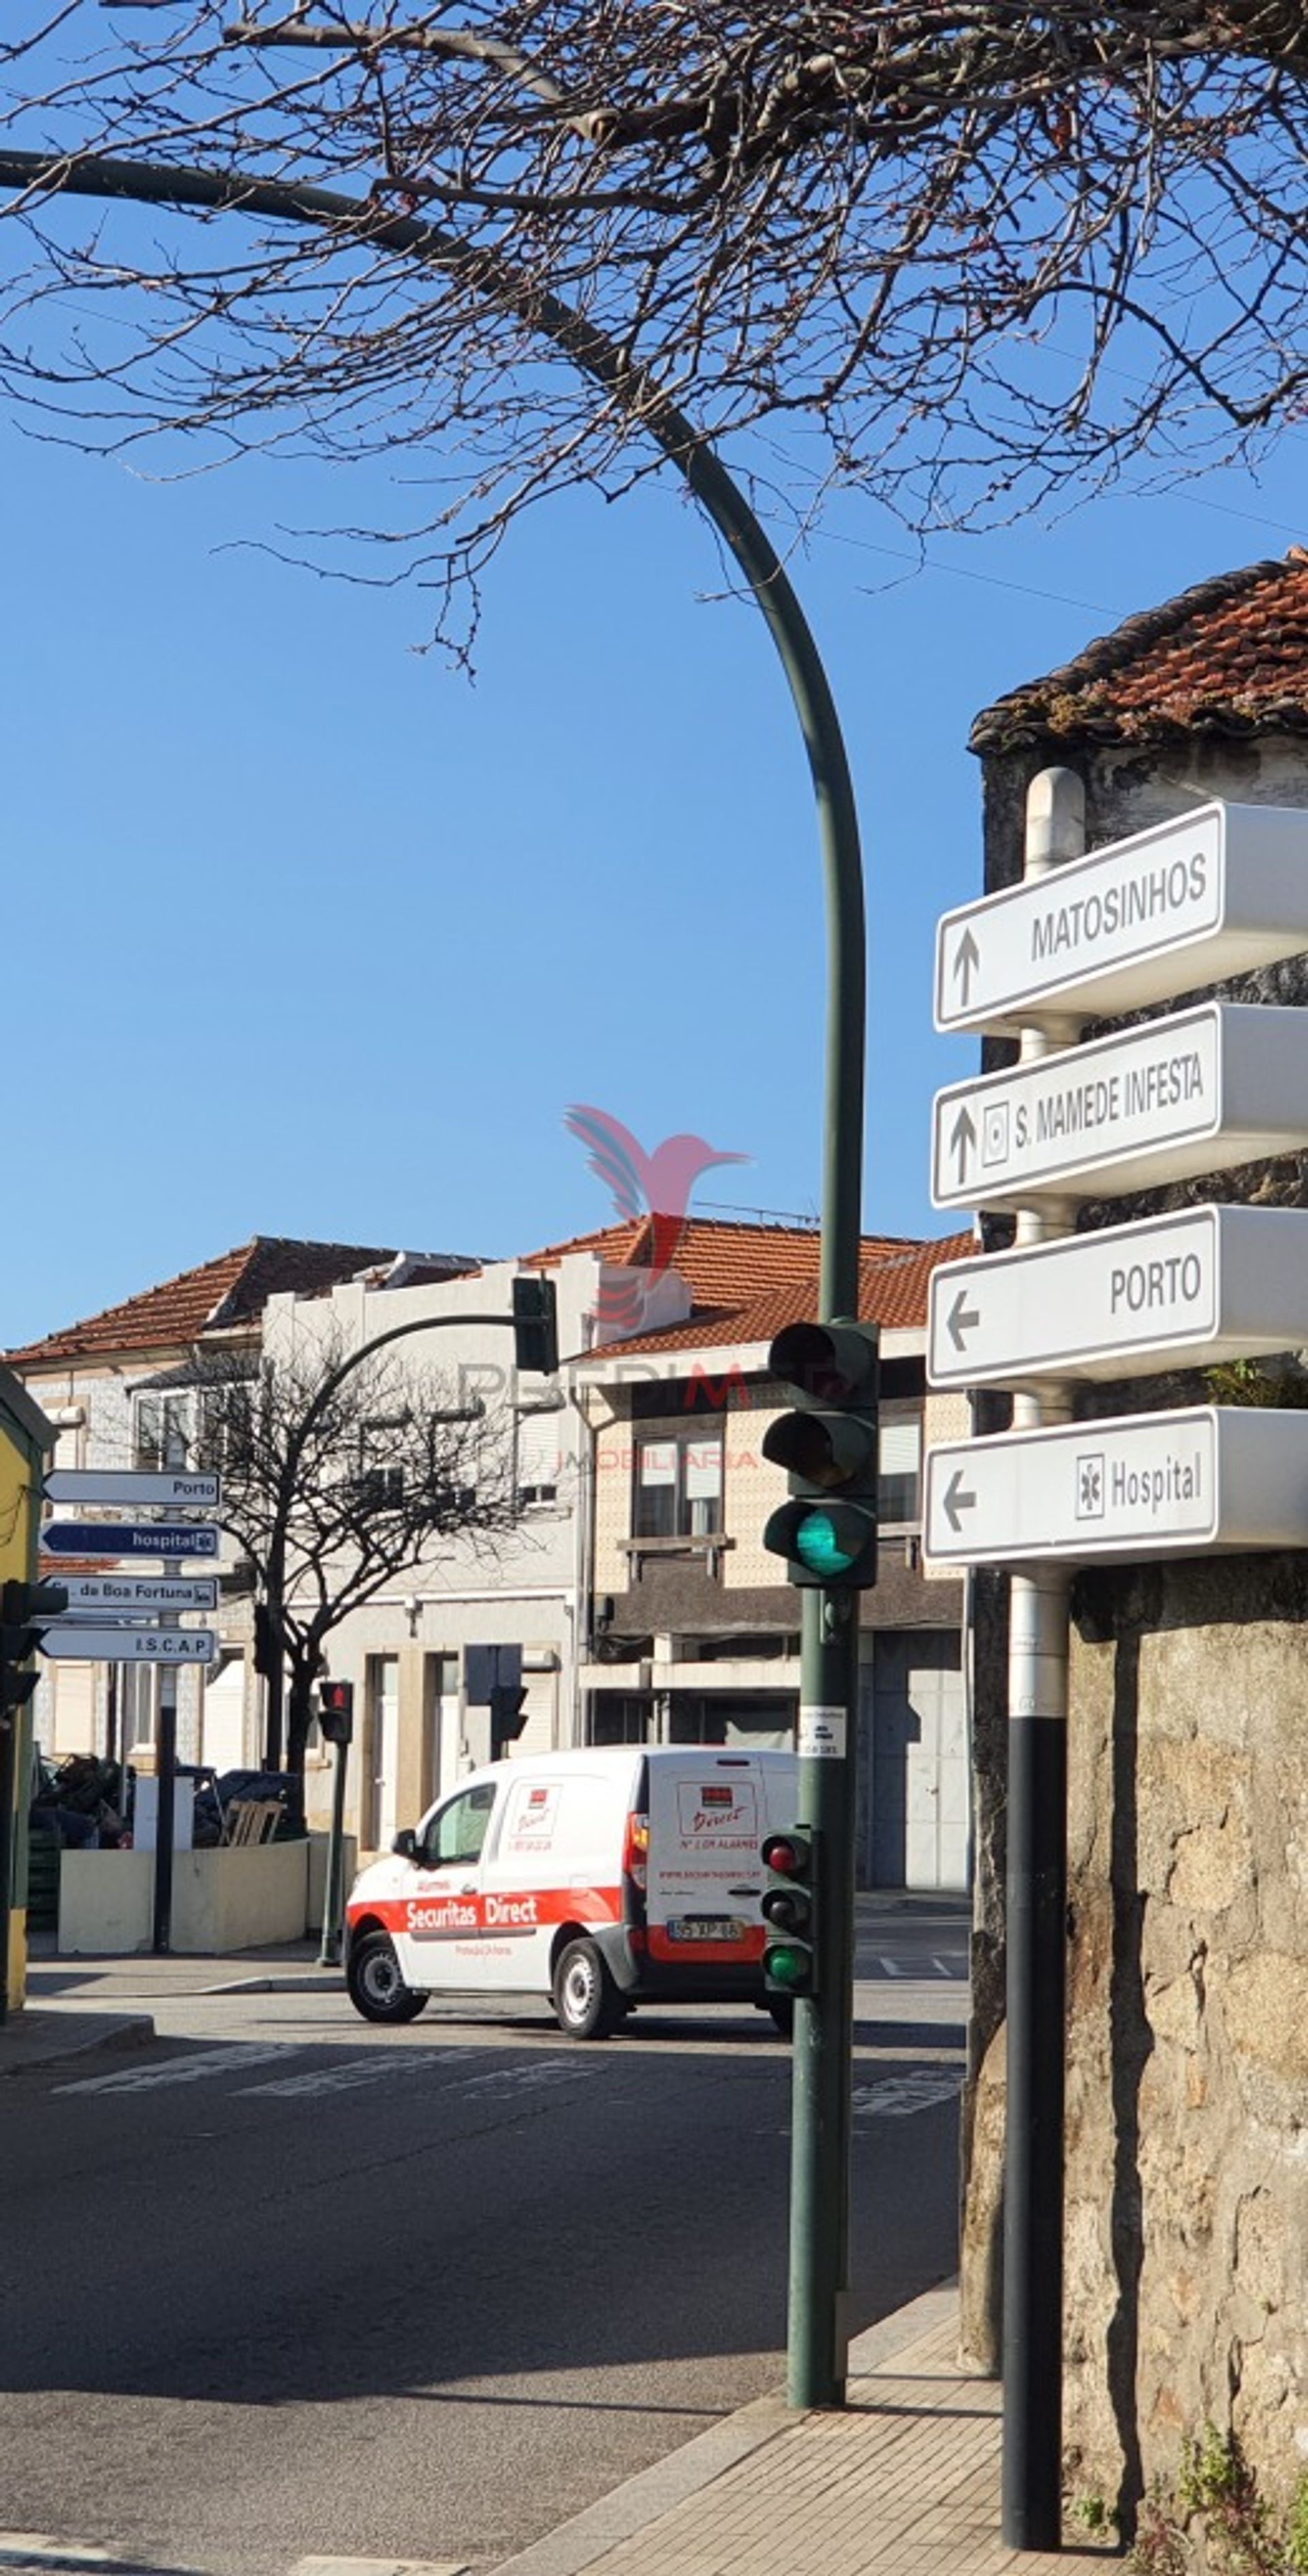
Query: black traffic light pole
829, 1636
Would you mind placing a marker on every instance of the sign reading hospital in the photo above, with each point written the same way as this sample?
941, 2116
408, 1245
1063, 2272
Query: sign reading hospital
1186, 1291
1197, 1092
1182, 905
1151, 1485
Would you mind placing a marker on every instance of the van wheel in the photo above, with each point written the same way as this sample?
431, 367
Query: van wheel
783, 2014
376, 1988
586, 2001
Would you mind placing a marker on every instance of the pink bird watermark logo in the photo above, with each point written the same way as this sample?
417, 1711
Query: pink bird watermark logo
653, 1186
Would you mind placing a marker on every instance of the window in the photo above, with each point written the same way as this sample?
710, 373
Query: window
379, 1484
679, 1484
191, 1426
538, 1459
163, 1430
458, 1832
901, 1458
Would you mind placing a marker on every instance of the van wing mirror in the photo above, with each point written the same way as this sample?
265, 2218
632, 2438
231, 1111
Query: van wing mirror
405, 1845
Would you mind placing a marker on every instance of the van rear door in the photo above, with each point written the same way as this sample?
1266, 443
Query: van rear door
708, 1814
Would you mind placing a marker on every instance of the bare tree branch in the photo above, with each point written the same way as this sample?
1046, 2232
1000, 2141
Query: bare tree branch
988, 253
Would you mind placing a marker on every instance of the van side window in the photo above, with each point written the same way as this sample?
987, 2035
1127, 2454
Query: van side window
459, 1831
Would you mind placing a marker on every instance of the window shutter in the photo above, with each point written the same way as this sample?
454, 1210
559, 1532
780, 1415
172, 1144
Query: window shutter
539, 1464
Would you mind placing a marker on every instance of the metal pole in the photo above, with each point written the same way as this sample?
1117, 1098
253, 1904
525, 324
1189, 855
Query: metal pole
165, 1758
329, 1955
829, 1648
1036, 1927
9, 1729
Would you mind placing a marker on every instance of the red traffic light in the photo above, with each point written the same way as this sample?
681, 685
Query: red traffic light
787, 1855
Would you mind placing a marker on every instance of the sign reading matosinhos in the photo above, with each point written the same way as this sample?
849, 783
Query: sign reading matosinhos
1185, 1291
1151, 1485
1202, 896
1199, 1091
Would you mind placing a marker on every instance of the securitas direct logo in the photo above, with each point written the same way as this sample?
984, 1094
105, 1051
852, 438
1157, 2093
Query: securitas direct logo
651, 1188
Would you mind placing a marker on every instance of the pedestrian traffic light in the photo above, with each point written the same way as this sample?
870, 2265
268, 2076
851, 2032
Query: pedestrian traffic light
790, 1957
26, 1610
336, 1712
508, 1715
535, 1325
829, 1447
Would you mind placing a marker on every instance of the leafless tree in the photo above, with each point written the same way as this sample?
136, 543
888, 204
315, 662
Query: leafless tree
969, 254
332, 1492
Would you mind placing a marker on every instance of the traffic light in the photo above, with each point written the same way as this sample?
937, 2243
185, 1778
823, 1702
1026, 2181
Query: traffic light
790, 1959
508, 1715
535, 1325
336, 1712
828, 1445
26, 1610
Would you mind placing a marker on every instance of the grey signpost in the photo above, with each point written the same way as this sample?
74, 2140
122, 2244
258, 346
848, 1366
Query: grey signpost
139, 1616
1192, 900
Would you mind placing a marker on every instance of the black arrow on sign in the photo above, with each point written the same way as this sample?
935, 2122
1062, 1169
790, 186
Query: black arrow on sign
962, 1140
966, 962
955, 1502
961, 1318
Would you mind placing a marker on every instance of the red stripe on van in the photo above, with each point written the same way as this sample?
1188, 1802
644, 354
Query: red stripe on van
441, 1914
682, 1953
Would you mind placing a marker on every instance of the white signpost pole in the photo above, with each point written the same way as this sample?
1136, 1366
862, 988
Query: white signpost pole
1036, 1905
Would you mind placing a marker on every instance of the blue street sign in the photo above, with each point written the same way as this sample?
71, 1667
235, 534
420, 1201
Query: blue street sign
129, 1538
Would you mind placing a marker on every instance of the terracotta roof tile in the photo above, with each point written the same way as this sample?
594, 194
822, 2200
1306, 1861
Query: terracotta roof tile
724, 1262
893, 1281
1229, 656
234, 1289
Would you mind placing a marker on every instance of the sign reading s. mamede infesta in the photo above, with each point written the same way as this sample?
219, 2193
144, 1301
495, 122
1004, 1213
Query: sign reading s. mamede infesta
1149, 1485
1189, 1290
1192, 900
1199, 1091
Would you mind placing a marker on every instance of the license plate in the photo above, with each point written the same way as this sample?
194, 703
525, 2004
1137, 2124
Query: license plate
705, 1927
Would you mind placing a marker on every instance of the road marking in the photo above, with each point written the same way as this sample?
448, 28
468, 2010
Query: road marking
179, 2070
900, 2095
360, 2070
343, 2079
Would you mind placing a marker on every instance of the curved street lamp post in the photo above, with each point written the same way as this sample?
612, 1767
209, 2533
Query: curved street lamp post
819, 2219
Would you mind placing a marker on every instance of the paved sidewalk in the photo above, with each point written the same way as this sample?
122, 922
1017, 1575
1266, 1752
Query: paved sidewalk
903, 2482
78, 2004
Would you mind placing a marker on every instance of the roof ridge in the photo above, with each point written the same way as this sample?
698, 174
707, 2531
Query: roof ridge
1032, 707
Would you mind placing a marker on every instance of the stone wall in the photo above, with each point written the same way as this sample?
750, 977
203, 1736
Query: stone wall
1187, 2108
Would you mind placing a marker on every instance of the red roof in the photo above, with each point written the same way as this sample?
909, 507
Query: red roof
232, 1290
1229, 657
893, 1281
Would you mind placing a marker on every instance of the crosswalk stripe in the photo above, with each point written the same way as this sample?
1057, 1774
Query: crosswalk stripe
179, 2070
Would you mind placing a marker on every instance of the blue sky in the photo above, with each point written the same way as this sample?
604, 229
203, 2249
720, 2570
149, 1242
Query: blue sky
323, 938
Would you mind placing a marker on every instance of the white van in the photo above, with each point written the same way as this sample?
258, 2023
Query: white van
627, 1875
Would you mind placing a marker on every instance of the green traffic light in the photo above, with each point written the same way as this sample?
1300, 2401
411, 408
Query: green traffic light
786, 1967
817, 1545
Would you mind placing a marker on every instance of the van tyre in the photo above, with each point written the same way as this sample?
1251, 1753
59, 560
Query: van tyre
586, 2001
376, 1988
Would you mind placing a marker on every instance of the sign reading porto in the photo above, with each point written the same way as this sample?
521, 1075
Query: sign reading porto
1184, 904
1186, 1291
1159, 1484
1196, 1092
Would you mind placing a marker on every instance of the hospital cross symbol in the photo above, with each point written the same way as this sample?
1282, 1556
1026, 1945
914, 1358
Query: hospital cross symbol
1090, 1487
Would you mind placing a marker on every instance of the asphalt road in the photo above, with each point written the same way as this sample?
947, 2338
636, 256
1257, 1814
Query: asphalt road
282, 2284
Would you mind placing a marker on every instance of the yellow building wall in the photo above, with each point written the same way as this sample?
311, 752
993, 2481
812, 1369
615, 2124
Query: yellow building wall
23, 1451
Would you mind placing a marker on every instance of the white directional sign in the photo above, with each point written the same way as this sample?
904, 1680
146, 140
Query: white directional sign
137, 1596
1184, 1291
138, 1487
84, 1644
1200, 1091
1169, 911
1155, 1484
